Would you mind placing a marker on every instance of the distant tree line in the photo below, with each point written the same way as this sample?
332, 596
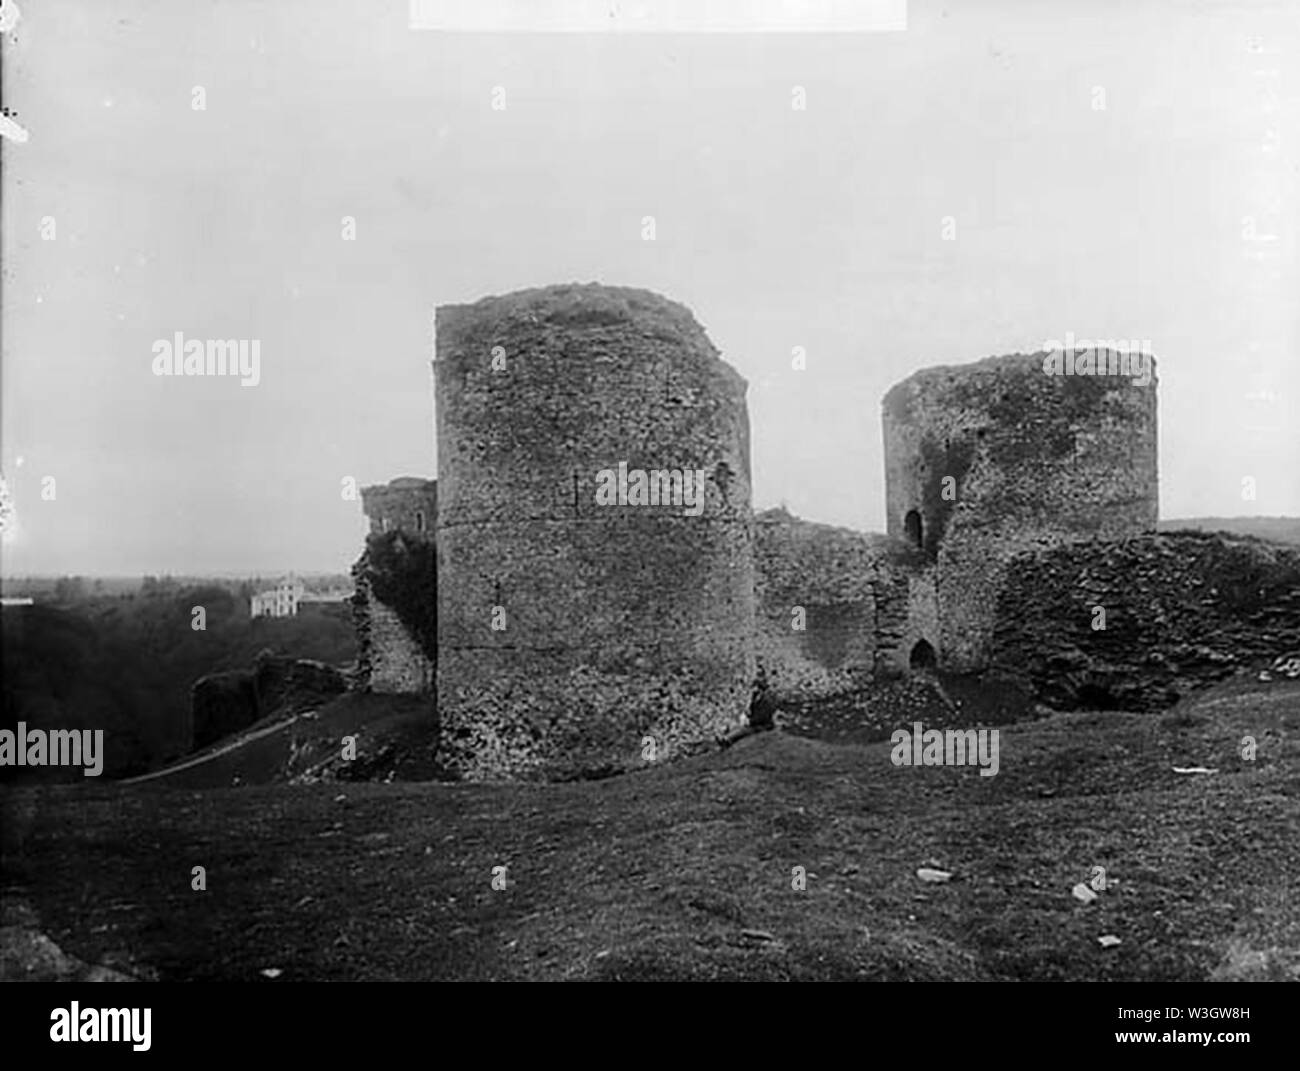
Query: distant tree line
126, 663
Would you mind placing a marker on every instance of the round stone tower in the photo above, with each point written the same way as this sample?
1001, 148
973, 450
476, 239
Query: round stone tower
986, 459
595, 538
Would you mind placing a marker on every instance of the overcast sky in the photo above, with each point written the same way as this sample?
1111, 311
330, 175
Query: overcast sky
1100, 162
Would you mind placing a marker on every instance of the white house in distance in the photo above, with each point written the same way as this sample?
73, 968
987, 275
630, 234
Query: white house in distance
285, 599
280, 601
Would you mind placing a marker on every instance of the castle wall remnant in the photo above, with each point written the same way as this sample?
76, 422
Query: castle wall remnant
408, 503
986, 460
580, 627
229, 702
835, 606
604, 595
1137, 623
390, 656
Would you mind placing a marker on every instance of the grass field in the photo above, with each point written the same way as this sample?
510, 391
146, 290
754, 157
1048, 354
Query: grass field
685, 871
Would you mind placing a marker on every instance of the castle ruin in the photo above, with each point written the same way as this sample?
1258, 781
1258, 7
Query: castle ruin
581, 631
390, 655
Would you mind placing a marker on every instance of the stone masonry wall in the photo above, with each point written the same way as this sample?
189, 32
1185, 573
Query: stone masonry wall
398, 664
390, 658
922, 616
1181, 610
392, 661
1034, 460
826, 573
616, 623
409, 503
866, 599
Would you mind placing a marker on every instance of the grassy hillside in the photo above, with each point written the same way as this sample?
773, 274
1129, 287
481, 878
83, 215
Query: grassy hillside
393, 734
126, 665
685, 871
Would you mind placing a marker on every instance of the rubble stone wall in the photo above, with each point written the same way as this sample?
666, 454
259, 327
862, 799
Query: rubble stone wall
998, 457
571, 630
862, 600
1180, 610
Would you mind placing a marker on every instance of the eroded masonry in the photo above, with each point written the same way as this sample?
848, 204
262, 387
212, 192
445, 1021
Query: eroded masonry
586, 589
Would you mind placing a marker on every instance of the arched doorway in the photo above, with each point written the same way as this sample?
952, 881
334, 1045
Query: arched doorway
922, 656
912, 527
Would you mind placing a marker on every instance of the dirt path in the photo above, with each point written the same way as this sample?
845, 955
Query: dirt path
225, 749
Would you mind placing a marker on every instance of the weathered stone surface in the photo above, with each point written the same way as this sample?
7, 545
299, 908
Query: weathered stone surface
408, 503
866, 601
392, 656
998, 457
398, 664
817, 615
620, 621
1181, 610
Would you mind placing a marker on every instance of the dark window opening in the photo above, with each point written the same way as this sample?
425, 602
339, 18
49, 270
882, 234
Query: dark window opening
722, 476
419, 520
912, 527
923, 656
